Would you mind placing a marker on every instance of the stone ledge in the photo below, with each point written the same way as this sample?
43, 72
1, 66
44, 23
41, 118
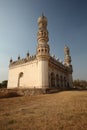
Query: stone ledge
8, 93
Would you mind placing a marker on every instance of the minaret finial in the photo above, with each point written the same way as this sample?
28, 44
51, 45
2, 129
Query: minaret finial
65, 45
42, 14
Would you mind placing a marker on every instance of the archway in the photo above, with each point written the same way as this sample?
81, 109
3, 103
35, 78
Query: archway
20, 79
61, 81
65, 82
57, 80
52, 80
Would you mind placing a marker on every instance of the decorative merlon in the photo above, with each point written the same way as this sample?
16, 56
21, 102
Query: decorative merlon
22, 61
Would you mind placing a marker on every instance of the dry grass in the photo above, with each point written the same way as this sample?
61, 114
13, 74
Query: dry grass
61, 111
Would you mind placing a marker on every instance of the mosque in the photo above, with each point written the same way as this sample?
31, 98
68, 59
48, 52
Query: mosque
41, 70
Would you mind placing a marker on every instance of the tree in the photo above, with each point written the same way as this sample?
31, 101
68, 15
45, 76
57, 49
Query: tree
3, 84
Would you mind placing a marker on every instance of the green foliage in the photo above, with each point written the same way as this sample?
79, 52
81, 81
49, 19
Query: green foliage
80, 83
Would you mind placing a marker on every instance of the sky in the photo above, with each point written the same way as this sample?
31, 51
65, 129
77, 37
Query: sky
67, 25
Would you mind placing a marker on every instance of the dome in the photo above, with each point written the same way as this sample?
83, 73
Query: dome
66, 48
42, 19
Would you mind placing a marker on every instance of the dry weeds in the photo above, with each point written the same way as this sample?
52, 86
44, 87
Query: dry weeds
61, 111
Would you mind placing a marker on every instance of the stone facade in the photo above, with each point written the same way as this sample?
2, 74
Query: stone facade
41, 70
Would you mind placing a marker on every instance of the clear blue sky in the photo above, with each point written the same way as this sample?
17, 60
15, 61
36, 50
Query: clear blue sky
67, 24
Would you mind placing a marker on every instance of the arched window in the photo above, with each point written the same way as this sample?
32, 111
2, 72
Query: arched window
61, 81
49, 81
20, 76
52, 80
57, 80
65, 82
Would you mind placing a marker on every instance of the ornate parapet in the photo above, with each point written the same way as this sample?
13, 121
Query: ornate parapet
22, 61
56, 63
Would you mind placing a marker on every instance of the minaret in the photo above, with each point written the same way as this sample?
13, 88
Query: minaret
67, 62
42, 52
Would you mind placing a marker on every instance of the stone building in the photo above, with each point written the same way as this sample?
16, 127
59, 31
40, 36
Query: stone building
41, 70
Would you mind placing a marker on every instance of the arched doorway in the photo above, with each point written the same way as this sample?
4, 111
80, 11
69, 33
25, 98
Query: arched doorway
52, 80
20, 79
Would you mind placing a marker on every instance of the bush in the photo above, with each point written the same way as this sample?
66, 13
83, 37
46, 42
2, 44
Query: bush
4, 84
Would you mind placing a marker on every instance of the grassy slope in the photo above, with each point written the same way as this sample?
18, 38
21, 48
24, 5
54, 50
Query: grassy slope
60, 111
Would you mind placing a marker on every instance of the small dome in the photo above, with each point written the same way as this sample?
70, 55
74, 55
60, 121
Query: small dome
42, 19
66, 48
